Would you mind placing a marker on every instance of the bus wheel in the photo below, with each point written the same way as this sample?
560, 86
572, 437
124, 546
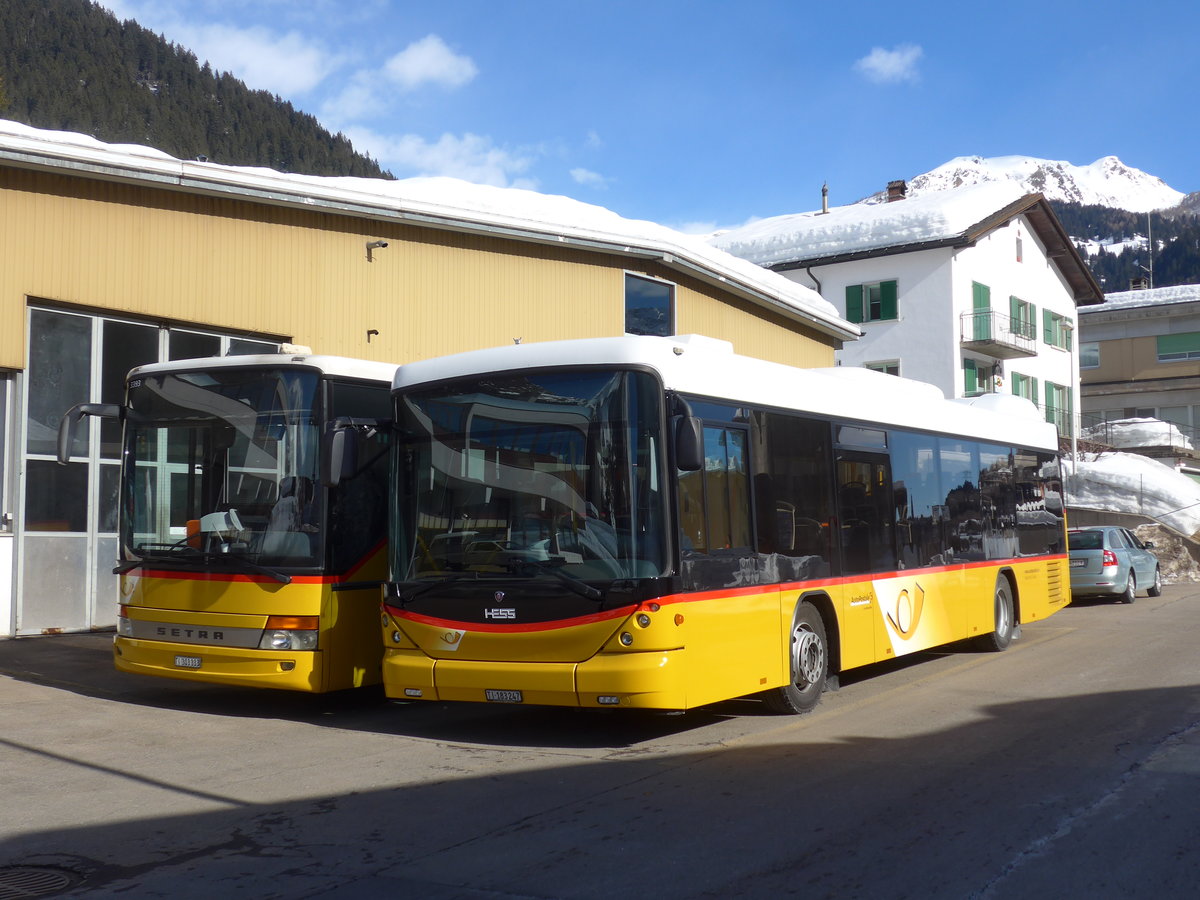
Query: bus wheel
1004, 623
809, 661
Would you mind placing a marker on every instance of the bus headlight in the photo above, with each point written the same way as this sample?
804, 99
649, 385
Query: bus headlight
290, 633
124, 623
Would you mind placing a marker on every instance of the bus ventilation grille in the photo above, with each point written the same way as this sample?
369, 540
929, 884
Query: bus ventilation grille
1054, 582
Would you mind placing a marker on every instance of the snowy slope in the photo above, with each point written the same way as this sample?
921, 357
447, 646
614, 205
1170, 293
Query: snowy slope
1106, 182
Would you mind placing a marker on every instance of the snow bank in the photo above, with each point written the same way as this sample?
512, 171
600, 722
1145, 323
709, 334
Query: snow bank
1122, 433
1128, 483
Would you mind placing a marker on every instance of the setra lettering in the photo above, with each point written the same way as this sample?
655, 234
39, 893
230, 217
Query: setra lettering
196, 634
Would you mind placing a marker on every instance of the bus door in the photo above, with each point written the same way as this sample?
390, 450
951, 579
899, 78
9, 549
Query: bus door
866, 535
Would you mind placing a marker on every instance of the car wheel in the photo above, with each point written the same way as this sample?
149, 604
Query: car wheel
1003, 622
1155, 589
1130, 589
809, 663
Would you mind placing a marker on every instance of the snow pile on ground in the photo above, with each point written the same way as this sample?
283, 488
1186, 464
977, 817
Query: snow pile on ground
1128, 483
1137, 433
1178, 557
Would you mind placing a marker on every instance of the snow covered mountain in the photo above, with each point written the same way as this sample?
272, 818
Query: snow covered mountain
1106, 182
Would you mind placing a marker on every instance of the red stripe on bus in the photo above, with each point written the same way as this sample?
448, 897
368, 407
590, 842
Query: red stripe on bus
720, 594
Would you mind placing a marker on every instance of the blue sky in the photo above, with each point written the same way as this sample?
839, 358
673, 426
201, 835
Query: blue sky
707, 114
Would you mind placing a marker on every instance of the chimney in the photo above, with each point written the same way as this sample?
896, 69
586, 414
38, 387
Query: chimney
896, 190
825, 198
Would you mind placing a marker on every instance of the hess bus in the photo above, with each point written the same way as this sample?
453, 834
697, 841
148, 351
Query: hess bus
658, 523
252, 534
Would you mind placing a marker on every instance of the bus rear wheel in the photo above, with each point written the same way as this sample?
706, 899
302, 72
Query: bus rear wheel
809, 664
1004, 624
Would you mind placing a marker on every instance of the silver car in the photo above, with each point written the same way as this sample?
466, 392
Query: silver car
1108, 561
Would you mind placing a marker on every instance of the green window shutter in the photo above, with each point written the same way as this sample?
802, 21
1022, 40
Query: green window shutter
1047, 326
1015, 384
1014, 309
981, 296
1172, 344
854, 303
970, 376
889, 308
1049, 395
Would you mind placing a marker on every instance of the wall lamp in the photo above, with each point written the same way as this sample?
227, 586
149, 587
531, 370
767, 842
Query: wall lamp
374, 245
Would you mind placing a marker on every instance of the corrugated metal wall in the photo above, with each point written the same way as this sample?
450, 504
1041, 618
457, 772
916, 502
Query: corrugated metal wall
275, 271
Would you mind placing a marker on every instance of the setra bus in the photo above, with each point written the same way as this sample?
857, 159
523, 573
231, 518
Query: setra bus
253, 530
659, 523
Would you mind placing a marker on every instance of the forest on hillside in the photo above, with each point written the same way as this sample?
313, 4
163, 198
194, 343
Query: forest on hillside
70, 65
1176, 240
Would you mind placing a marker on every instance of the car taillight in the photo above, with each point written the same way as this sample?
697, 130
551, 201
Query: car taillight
1110, 559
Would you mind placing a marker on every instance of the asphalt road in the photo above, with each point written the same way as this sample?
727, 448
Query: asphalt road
1067, 766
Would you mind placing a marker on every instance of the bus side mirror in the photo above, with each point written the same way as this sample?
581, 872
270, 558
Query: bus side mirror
689, 444
333, 456
339, 451
66, 428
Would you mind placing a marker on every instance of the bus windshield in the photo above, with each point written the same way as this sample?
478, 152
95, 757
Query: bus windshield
222, 464
531, 474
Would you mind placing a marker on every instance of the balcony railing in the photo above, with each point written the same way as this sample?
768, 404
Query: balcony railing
997, 335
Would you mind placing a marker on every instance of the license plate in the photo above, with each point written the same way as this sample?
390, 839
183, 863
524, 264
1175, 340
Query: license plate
503, 696
187, 662
1078, 563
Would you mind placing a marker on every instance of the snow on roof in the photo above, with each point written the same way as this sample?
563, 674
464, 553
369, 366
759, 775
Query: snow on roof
938, 216
446, 201
1182, 293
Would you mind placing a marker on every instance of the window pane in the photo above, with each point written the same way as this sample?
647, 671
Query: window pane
1089, 355
123, 346
55, 496
60, 362
110, 479
189, 345
648, 307
246, 347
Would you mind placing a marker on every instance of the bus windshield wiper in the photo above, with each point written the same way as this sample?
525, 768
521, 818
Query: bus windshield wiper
522, 565
417, 588
183, 553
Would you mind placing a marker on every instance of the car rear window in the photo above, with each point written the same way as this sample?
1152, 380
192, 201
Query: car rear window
1085, 540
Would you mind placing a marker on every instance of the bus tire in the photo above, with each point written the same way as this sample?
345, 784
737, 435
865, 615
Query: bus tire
808, 661
1004, 619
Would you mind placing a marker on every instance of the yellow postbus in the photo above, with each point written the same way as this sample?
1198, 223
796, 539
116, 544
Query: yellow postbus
648, 522
253, 529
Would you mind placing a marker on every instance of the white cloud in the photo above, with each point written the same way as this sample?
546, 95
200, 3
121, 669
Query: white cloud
588, 178
890, 66
287, 64
470, 157
282, 63
429, 61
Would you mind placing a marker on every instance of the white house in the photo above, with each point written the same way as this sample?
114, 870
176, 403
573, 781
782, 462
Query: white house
973, 289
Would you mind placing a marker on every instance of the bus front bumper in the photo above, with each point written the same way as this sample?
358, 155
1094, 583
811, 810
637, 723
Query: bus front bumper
293, 671
650, 680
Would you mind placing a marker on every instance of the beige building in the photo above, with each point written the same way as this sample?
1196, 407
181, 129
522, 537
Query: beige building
118, 256
1139, 357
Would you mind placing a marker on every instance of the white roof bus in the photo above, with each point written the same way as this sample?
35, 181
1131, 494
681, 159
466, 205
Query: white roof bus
648, 522
253, 545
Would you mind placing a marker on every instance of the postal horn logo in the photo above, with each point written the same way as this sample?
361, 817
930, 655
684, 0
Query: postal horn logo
906, 613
